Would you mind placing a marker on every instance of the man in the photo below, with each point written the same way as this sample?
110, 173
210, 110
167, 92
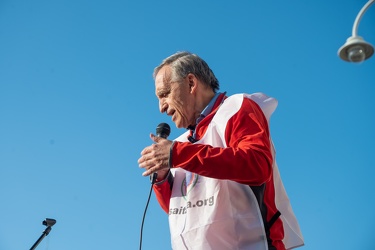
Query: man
219, 181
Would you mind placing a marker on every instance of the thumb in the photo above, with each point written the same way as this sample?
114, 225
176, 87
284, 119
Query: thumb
155, 138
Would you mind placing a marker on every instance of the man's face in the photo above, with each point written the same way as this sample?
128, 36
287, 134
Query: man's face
175, 98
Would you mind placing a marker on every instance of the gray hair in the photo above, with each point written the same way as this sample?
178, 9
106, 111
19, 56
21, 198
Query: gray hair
183, 63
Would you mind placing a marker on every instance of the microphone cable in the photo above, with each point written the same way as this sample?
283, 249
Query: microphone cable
162, 130
153, 179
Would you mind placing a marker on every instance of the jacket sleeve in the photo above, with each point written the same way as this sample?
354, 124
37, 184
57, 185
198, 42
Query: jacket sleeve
163, 191
247, 159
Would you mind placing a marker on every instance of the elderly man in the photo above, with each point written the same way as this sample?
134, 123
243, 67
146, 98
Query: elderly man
219, 181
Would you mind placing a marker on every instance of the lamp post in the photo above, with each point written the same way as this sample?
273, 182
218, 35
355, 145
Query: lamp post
48, 223
356, 49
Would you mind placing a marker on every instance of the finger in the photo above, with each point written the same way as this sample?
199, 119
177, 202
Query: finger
141, 160
154, 138
146, 150
148, 172
151, 166
145, 162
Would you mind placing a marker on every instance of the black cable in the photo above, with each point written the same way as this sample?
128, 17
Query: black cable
153, 179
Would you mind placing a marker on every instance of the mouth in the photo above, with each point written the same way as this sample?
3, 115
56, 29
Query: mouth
172, 114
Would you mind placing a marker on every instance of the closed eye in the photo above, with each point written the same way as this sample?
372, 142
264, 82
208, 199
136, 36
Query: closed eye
163, 93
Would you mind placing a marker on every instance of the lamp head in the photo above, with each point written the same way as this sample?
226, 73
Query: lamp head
49, 222
356, 50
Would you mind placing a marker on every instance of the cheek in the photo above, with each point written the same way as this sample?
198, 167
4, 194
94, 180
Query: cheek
182, 111
184, 107
186, 114
178, 102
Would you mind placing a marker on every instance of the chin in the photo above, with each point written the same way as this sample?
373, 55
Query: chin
179, 125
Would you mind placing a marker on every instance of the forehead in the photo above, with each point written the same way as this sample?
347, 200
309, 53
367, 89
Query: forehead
163, 78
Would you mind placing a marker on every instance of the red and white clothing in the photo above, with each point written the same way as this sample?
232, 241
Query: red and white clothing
224, 191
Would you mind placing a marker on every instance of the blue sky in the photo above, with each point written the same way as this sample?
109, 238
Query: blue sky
77, 105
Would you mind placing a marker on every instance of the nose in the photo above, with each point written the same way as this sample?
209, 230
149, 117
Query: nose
163, 106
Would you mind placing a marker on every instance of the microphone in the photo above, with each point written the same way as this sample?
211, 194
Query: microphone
163, 130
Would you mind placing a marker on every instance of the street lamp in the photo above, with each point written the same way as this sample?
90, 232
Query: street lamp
356, 49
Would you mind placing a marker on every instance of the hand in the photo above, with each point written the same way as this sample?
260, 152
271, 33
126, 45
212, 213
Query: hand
155, 158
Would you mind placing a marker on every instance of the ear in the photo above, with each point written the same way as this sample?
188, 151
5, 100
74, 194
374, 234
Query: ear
193, 82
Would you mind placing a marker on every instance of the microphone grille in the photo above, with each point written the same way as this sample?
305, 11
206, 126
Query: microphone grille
163, 130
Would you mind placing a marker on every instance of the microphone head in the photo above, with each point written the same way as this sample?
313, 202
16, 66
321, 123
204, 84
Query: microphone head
163, 130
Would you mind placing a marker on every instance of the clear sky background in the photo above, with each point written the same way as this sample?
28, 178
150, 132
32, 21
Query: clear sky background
77, 105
